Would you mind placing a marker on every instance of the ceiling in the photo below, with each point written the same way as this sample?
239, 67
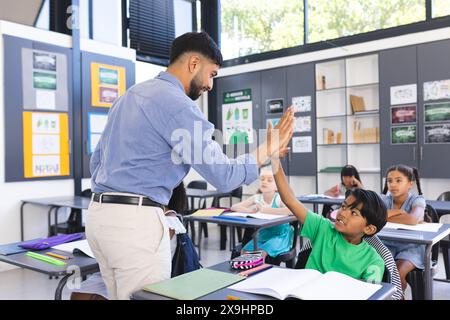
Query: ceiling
20, 11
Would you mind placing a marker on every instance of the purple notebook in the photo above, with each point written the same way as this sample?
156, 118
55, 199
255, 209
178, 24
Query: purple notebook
46, 243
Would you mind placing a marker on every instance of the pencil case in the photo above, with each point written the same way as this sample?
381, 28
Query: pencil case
247, 261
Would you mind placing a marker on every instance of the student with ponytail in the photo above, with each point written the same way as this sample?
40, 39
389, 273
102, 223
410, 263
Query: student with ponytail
408, 208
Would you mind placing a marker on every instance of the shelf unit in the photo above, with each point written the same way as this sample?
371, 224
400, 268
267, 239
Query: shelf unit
348, 134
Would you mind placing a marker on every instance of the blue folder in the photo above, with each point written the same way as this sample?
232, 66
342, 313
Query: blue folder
13, 248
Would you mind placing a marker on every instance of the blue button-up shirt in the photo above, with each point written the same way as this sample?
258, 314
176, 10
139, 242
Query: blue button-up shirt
155, 133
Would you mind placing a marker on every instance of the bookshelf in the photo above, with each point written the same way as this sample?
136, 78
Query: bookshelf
347, 111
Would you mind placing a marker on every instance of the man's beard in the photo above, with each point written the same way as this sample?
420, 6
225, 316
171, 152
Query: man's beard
195, 88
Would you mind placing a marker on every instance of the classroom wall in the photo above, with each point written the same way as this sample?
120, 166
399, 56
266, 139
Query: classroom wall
432, 188
11, 193
35, 217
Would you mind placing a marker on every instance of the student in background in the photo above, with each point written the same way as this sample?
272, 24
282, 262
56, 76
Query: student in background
94, 287
408, 208
339, 247
349, 179
274, 240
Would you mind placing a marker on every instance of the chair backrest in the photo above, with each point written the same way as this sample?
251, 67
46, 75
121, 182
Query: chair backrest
236, 193
432, 216
390, 275
445, 196
87, 193
197, 184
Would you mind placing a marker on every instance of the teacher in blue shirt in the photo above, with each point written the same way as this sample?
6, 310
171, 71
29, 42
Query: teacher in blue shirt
155, 133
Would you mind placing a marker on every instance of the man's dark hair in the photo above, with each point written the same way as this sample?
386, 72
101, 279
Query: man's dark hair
373, 209
199, 42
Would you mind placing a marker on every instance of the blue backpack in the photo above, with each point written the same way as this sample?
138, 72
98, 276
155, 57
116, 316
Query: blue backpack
185, 258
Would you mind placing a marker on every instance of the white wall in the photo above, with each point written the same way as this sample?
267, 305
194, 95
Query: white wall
12, 193
431, 188
107, 21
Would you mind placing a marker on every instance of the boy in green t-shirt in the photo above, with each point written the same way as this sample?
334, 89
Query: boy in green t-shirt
339, 247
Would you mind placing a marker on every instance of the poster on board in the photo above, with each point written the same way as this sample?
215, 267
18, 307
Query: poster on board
302, 124
96, 125
301, 104
404, 114
44, 80
302, 144
237, 117
45, 144
404, 135
437, 133
436, 90
404, 94
437, 112
107, 84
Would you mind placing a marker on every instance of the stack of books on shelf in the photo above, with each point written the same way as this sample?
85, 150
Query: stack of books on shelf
365, 135
357, 103
329, 137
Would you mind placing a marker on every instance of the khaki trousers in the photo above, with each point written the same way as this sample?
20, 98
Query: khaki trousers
131, 245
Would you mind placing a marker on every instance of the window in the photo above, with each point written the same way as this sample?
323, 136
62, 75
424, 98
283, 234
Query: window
250, 27
440, 8
183, 16
331, 19
152, 29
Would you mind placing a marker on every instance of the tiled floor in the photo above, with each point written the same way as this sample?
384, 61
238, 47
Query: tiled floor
20, 284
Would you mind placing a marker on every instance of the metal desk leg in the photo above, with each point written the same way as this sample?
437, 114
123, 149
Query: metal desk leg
60, 287
255, 240
49, 222
199, 241
56, 220
21, 221
232, 236
428, 294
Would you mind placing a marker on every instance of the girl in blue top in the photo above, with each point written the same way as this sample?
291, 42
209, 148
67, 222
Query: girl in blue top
407, 208
274, 240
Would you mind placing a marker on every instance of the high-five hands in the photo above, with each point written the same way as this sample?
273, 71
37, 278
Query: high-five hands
278, 138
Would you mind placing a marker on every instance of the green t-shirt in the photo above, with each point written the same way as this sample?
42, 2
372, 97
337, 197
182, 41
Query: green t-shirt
331, 252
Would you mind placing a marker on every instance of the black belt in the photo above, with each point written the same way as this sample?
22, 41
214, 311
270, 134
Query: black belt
106, 198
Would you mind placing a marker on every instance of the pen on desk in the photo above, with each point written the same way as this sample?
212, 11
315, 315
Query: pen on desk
45, 258
255, 270
54, 255
230, 297
230, 218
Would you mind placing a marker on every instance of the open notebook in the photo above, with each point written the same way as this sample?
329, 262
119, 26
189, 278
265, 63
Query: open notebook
258, 215
429, 227
76, 246
307, 284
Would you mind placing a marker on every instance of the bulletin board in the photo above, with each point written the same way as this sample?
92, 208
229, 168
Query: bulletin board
104, 79
38, 110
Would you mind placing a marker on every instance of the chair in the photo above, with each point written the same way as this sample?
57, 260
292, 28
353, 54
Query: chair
390, 274
445, 243
74, 223
287, 257
236, 193
198, 184
415, 278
